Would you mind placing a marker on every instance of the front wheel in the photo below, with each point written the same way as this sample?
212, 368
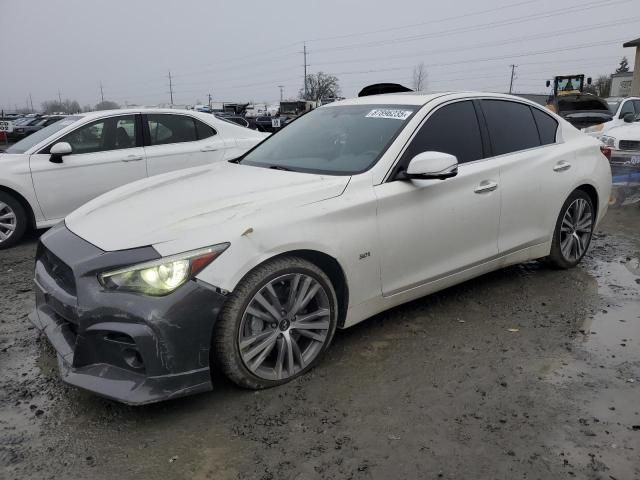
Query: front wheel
277, 323
573, 231
13, 220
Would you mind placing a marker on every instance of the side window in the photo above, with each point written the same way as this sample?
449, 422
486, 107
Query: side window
204, 130
167, 128
451, 129
102, 135
511, 126
627, 107
547, 126
636, 103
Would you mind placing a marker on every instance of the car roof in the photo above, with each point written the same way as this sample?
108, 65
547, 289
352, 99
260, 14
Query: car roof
418, 98
124, 111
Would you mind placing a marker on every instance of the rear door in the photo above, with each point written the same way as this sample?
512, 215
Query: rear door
176, 141
532, 169
107, 153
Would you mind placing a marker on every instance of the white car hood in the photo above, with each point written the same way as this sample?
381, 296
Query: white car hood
169, 207
628, 131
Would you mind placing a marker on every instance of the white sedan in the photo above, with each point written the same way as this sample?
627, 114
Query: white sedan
55, 170
250, 266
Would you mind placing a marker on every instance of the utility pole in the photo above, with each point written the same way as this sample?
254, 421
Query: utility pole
101, 93
31, 101
209, 101
281, 87
304, 52
513, 75
59, 97
170, 88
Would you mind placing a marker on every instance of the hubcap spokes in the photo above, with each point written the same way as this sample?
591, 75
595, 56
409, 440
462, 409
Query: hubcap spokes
284, 326
7, 221
575, 230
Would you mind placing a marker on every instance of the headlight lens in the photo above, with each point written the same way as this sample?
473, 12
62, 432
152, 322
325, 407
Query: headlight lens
608, 141
163, 276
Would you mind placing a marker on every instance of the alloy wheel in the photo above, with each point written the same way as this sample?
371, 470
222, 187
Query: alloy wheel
7, 221
575, 230
284, 326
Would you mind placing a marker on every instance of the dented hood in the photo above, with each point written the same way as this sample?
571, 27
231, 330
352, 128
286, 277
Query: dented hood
169, 207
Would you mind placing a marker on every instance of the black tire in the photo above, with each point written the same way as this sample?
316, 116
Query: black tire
225, 342
557, 258
21, 220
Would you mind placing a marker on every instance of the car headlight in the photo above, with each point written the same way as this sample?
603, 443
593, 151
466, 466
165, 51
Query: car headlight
594, 128
163, 276
608, 141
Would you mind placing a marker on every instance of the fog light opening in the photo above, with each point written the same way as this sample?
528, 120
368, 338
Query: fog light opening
133, 358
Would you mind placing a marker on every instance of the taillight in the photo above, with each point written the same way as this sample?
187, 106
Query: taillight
606, 151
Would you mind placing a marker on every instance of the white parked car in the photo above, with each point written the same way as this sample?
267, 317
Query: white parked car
55, 170
619, 107
354, 208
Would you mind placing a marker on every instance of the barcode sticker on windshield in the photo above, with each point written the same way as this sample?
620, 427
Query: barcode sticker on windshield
388, 113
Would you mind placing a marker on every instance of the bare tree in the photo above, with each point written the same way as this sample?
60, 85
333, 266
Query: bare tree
321, 86
66, 106
603, 85
107, 105
419, 77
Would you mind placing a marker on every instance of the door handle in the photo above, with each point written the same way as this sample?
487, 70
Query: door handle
486, 186
209, 148
561, 166
132, 158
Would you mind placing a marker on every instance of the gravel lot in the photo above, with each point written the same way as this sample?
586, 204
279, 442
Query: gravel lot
523, 373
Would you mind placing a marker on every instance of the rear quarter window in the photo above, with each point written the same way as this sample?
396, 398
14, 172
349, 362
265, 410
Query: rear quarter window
547, 126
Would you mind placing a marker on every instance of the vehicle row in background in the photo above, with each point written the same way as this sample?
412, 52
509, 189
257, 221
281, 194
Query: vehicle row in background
64, 165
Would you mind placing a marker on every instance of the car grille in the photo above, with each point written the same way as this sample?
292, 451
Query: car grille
60, 272
629, 145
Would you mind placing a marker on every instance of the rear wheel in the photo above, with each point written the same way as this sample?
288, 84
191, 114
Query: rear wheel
277, 324
13, 220
573, 232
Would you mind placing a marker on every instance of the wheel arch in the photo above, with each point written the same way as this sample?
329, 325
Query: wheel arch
331, 267
24, 202
593, 195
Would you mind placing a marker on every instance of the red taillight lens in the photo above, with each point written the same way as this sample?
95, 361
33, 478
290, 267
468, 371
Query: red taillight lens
606, 151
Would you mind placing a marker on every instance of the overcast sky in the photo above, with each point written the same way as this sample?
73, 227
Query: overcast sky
242, 50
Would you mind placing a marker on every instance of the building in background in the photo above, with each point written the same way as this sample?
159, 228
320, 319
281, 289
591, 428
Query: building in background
621, 84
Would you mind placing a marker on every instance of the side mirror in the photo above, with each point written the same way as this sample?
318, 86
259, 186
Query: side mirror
58, 151
548, 83
629, 117
432, 165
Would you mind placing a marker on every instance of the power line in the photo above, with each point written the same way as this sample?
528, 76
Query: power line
477, 27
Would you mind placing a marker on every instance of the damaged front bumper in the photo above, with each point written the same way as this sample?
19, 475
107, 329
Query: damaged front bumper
125, 346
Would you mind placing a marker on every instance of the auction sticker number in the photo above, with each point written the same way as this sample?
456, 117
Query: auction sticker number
275, 123
389, 113
6, 126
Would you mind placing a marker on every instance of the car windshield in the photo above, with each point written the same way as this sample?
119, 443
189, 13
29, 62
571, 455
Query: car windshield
35, 138
613, 106
337, 140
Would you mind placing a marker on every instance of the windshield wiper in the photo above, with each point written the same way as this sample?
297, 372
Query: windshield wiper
280, 167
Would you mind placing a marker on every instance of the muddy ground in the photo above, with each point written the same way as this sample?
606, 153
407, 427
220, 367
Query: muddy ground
439, 388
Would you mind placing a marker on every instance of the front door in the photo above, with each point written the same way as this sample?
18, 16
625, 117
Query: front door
429, 229
106, 154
